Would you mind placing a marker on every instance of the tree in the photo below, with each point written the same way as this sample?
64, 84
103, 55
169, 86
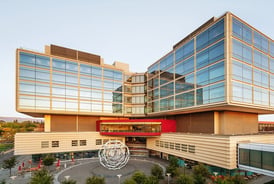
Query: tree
201, 169
48, 160
152, 180
129, 181
157, 171
95, 180
200, 173
172, 167
70, 181
139, 177
184, 179
9, 163
42, 177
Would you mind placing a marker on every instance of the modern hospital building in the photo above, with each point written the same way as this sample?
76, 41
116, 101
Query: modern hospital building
200, 102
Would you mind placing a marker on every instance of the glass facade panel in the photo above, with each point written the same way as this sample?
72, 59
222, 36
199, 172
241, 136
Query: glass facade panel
268, 160
242, 92
211, 74
58, 65
167, 90
166, 62
184, 67
260, 78
272, 48
210, 94
260, 42
210, 35
261, 96
210, 55
242, 31
260, 60
185, 51
27, 59
42, 62
242, 51
167, 104
185, 83
185, 100
255, 158
244, 156
242, 72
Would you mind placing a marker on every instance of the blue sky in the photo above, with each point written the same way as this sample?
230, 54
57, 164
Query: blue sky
136, 32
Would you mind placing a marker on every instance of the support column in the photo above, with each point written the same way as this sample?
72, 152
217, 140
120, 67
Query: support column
47, 123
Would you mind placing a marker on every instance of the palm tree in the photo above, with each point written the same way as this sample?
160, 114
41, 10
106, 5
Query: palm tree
42, 177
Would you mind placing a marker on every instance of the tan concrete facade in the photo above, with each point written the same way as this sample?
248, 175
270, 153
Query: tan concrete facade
42, 143
212, 149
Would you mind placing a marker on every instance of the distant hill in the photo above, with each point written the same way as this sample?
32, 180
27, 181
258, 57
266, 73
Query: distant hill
19, 119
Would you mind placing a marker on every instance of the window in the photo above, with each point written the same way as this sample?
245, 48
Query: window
242, 31
242, 72
166, 144
260, 60
161, 144
44, 144
83, 142
166, 62
74, 143
171, 145
260, 42
211, 74
185, 51
184, 67
210, 55
55, 144
157, 143
191, 148
242, 51
177, 146
98, 142
184, 147
185, 100
242, 92
210, 35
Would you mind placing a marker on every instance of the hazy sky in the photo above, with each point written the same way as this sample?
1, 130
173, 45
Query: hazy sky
135, 32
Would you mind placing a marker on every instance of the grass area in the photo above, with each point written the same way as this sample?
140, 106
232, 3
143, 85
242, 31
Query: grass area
5, 146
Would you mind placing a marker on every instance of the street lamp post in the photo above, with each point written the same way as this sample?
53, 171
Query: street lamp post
168, 176
119, 178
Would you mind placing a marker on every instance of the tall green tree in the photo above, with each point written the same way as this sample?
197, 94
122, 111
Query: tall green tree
173, 166
157, 171
42, 177
139, 177
184, 179
95, 180
200, 173
9, 163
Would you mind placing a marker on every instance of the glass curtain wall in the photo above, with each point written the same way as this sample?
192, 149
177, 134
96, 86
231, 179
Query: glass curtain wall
190, 75
60, 85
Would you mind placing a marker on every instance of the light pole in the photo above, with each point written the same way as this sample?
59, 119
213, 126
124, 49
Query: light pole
168, 176
67, 177
119, 178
